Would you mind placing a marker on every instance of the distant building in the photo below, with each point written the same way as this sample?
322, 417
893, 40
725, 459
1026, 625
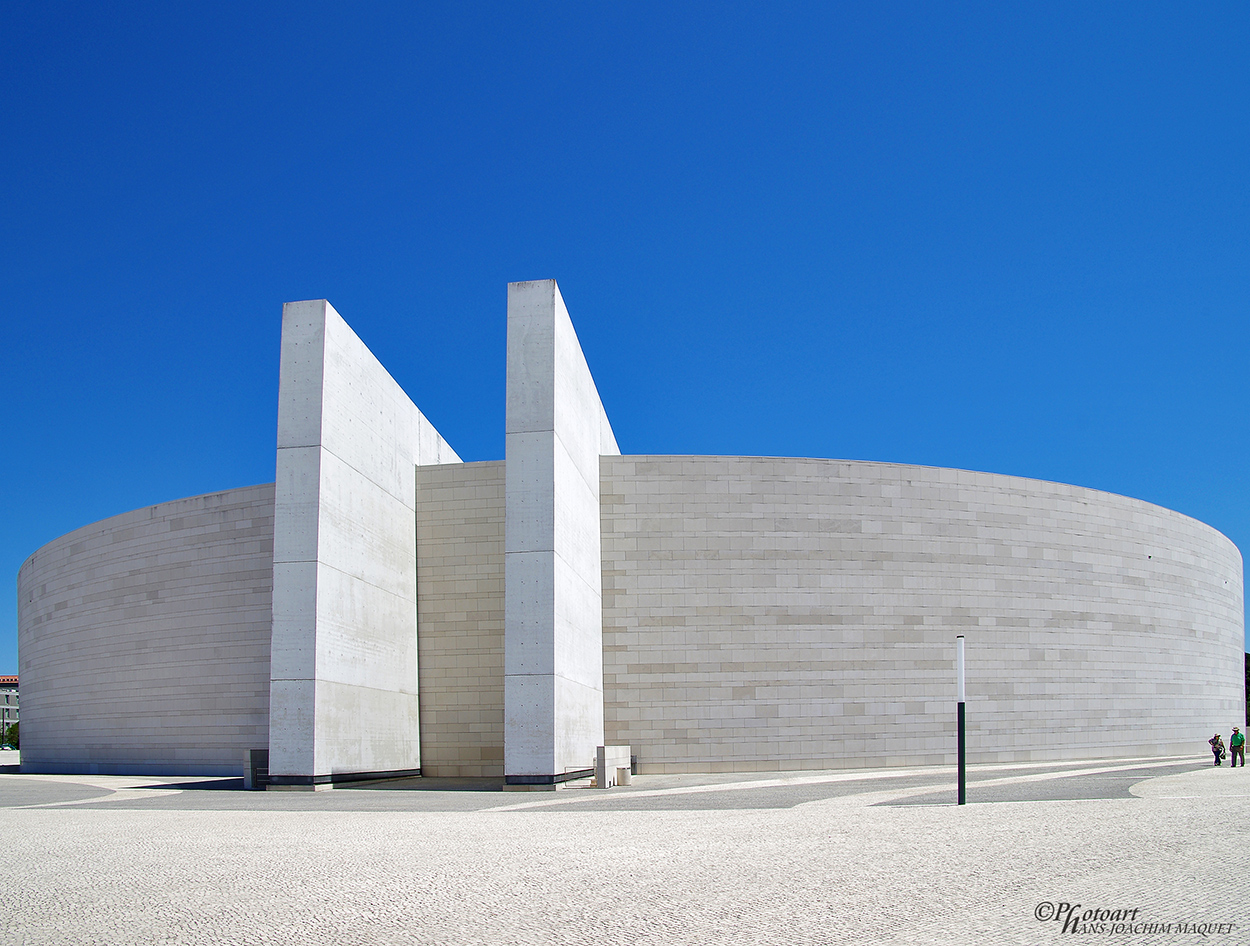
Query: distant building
8, 706
384, 609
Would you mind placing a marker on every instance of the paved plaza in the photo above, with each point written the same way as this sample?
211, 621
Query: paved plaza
1145, 851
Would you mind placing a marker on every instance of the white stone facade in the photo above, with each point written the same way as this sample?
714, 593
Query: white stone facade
385, 609
143, 640
460, 618
765, 613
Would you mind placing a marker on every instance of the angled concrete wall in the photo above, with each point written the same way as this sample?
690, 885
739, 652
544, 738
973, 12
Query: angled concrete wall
460, 577
343, 697
556, 432
770, 613
143, 640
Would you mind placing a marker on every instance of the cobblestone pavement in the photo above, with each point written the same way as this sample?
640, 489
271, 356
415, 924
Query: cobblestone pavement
860, 857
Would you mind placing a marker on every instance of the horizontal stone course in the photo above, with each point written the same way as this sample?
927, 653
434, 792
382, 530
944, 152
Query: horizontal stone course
460, 618
144, 639
752, 622
835, 589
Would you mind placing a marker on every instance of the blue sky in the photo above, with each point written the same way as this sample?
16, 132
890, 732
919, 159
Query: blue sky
991, 236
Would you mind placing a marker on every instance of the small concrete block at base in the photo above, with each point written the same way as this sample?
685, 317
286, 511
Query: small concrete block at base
609, 761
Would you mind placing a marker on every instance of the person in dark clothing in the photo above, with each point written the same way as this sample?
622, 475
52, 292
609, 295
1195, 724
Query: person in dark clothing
1216, 743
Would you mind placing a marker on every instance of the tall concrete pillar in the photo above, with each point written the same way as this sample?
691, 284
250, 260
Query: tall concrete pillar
343, 687
553, 610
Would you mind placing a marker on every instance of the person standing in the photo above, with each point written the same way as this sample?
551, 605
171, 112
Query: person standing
1217, 746
1237, 743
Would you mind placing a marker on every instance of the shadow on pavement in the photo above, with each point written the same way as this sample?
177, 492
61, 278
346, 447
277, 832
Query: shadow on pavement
205, 785
1074, 787
424, 784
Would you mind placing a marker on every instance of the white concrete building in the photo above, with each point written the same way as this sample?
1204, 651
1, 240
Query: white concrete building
385, 609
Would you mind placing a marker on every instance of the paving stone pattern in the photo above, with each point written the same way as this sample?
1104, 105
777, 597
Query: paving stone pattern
563, 869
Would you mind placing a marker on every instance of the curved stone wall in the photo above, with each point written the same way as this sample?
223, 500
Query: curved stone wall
143, 640
787, 613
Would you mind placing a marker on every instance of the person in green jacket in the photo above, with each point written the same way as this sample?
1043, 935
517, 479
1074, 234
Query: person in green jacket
1237, 745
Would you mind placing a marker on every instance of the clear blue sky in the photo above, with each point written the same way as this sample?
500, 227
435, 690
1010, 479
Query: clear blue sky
995, 236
